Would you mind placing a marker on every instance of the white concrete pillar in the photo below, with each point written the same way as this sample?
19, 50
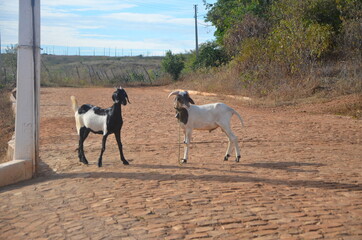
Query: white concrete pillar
28, 83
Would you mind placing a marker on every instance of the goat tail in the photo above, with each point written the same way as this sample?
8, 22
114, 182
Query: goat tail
240, 118
74, 103
77, 118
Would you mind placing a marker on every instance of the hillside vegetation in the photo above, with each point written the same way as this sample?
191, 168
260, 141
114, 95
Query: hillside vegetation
282, 50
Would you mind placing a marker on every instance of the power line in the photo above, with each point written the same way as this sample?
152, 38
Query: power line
203, 24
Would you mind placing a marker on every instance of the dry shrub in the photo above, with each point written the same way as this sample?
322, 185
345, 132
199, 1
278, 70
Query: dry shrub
272, 85
218, 80
349, 105
7, 123
350, 109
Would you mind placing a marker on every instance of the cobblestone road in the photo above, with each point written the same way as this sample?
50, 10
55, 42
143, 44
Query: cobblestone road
299, 176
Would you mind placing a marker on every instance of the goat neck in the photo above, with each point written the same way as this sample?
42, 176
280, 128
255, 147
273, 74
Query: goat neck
115, 116
182, 115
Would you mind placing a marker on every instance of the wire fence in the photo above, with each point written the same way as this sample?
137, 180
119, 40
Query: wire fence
109, 52
89, 51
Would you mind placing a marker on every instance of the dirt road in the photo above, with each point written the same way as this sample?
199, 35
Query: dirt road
299, 176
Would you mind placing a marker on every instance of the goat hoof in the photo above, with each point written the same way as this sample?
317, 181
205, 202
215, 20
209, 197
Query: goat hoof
237, 159
125, 162
226, 158
183, 161
83, 160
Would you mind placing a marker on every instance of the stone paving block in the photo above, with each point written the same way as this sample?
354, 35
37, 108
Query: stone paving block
266, 237
197, 236
80, 236
175, 237
231, 226
203, 229
311, 235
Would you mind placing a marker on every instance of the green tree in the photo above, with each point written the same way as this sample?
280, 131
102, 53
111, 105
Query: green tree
224, 14
250, 27
173, 64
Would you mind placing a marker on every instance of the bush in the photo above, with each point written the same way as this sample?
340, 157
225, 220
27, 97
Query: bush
173, 64
210, 55
295, 46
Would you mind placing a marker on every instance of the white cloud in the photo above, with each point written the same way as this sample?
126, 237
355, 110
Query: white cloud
88, 5
149, 18
47, 12
63, 36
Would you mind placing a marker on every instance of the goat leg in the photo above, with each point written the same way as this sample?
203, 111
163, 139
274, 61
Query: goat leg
188, 136
104, 140
83, 134
120, 147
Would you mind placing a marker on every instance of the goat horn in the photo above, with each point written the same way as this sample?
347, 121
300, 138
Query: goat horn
173, 93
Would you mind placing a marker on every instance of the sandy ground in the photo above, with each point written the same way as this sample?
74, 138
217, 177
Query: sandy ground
299, 176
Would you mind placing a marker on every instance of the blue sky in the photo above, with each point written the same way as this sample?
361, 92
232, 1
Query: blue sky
112, 27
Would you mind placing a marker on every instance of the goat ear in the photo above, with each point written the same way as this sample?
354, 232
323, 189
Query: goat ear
188, 97
114, 97
191, 101
127, 97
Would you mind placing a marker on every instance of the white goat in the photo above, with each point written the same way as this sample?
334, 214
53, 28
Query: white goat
205, 117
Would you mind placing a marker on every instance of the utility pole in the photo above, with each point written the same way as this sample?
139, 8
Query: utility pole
28, 85
196, 37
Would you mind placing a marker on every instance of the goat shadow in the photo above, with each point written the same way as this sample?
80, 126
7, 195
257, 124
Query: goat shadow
287, 166
189, 166
161, 175
221, 178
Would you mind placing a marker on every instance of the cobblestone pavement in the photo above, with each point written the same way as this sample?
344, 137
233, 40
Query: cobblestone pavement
299, 176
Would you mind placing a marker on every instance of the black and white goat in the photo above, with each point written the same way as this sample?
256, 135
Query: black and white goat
205, 117
89, 118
